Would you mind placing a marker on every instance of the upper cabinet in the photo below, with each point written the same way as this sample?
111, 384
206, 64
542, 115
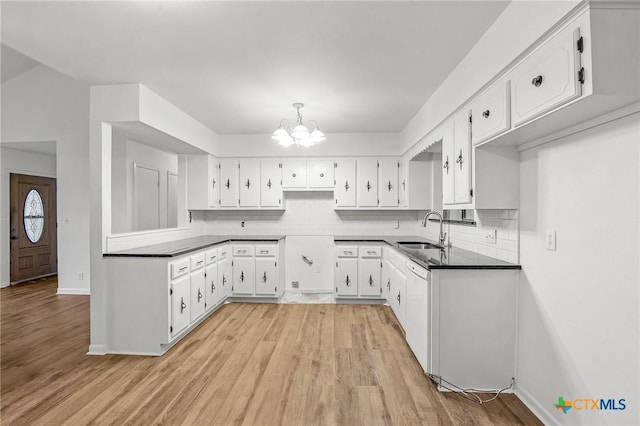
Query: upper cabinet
229, 183
203, 186
321, 174
547, 78
491, 113
388, 182
303, 175
294, 174
344, 192
270, 183
249, 171
367, 183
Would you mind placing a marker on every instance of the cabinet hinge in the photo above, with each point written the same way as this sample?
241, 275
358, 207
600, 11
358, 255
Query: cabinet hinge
238, 165
232, 263
470, 118
275, 264
580, 44
471, 192
377, 164
170, 329
276, 289
336, 289
336, 264
335, 165
398, 164
219, 166
280, 165
581, 75
170, 292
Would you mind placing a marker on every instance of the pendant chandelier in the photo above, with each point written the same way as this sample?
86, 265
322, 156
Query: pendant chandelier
299, 134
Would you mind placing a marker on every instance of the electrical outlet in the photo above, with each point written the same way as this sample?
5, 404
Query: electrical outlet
295, 284
80, 276
551, 240
490, 236
396, 224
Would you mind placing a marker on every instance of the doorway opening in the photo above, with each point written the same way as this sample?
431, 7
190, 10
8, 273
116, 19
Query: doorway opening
33, 233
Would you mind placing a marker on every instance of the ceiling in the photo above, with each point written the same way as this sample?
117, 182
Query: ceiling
14, 63
238, 66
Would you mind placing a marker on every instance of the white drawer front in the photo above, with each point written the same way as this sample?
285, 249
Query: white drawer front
546, 79
197, 261
491, 113
243, 250
347, 251
369, 252
211, 256
179, 268
223, 252
266, 251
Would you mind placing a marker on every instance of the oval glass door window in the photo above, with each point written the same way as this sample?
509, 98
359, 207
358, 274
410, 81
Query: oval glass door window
33, 216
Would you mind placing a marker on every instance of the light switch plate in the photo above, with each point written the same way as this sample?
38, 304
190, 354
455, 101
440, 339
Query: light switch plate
396, 224
550, 239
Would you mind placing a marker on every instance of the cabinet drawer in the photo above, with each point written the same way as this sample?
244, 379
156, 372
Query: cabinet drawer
370, 252
223, 252
266, 251
197, 261
491, 113
211, 256
179, 268
547, 78
243, 250
347, 251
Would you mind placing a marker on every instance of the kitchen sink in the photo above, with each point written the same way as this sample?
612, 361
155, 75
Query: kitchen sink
412, 245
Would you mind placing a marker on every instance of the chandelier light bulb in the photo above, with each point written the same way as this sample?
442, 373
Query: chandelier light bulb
299, 134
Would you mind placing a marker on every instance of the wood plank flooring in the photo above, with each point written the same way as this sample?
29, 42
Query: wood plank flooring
248, 364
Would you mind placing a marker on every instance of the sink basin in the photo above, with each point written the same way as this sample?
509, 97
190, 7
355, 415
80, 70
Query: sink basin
418, 246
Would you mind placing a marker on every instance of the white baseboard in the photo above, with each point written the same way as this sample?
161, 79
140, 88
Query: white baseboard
535, 407
74, 291
97, 350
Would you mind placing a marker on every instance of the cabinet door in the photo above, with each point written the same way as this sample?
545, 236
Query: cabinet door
198, 292
547, 78
491, 113
369, 277
213, 182
385, 279
345, 183
211, 285
270, 183
367, 181
399, 285
448, 163
201, 182
320, 174
249, 171
243, 276
389, 195
224, 279
228, 183
180, 305
294, 174
267, 276
462, 163
403, 196
346, 277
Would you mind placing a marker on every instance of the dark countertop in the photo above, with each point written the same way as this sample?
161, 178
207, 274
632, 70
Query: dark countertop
450, 258
188, 245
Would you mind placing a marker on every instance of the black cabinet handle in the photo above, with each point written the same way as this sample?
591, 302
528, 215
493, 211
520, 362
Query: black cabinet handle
182, 305
213, 287
537, 81
242, 276
293, 174
248, 184
228, 184
347, 281
486, 113
370, 280
264, 278
269, 183
213, 183
321, 174
446, 165
346, 185
398, 297
368, 186
199, 295
389, 186
459, 160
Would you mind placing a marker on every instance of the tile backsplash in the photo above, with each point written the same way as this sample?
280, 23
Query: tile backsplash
473, 238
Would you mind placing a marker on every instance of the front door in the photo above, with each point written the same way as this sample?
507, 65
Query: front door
33, 227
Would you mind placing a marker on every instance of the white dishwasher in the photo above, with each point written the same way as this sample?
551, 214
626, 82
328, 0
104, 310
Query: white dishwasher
418, 313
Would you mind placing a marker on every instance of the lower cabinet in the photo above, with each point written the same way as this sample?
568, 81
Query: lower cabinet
243, 276
255, 270
358, 271
180, 295
197, 281
266, 278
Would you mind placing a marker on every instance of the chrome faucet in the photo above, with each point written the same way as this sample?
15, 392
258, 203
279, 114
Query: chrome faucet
442, 236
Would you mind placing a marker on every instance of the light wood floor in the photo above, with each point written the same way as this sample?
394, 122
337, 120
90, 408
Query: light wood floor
251, 364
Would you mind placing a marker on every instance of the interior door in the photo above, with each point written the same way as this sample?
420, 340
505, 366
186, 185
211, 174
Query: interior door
33, 248
146, 195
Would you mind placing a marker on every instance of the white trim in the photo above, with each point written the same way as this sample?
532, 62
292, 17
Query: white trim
97, 350
534, 406
585, 125
73, 291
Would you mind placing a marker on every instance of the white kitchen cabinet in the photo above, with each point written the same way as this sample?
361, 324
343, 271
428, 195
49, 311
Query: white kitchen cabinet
369, 277
267, 277
386, 273
367, 183
456, 161
212, 296
198, 298
249, 172
420, 183
491, 113
345, 183
321, 174
203, 186
243, 276
228, 183
547, 78
270, 183
346, 277
388, 182
294, 174
180, 300
397, 293
224, 277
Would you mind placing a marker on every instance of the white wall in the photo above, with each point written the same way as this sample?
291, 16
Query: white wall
336, 145
579, 324
44, 105
126, 153
17, 161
